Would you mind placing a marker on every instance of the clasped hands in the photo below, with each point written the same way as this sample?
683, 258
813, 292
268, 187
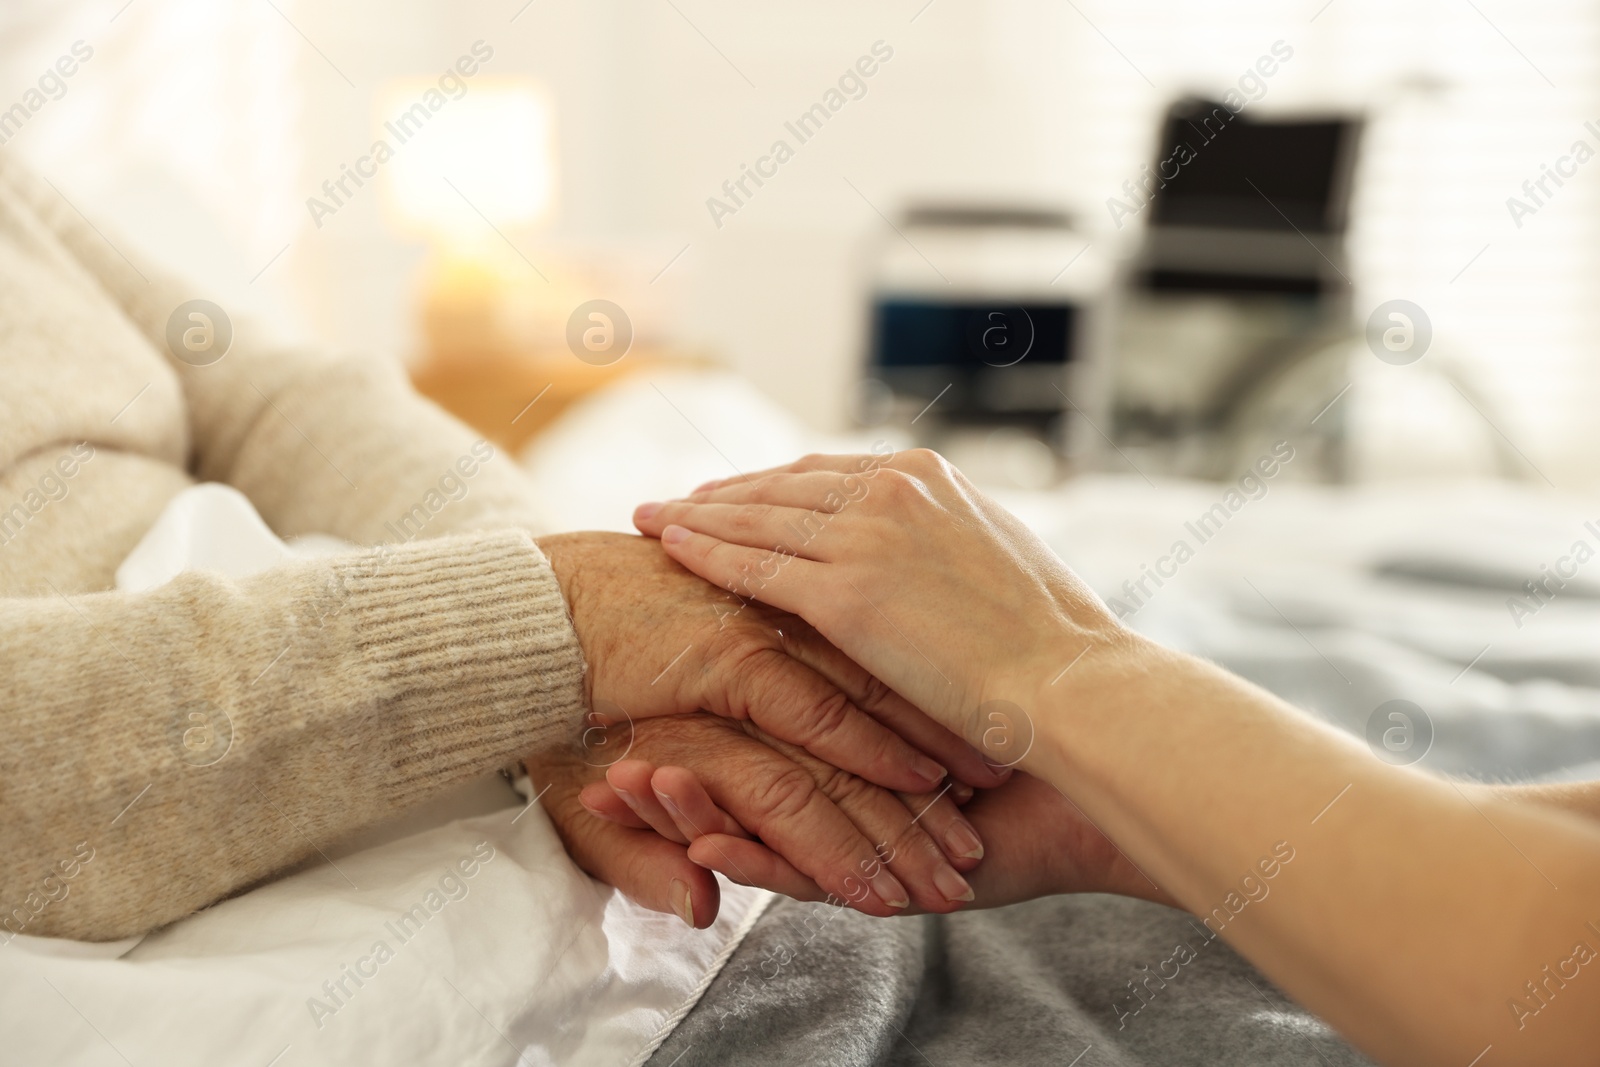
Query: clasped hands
728, 736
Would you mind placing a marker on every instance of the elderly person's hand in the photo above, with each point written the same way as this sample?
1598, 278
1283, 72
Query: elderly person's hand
824, 833
660, 641
1036, 842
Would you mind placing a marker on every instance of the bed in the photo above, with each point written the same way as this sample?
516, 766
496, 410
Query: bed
1344, 600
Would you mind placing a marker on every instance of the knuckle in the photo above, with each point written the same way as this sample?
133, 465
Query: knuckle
742, 653
827, 716
742, 666
748, 519
747, 657
875, 693
783, 795
897, 486
842, 787
911, 844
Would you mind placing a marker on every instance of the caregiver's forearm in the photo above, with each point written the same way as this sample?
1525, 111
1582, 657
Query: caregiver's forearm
1407, 912
1579, 798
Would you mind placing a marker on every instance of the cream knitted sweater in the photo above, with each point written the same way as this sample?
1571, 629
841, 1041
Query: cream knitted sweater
353, 686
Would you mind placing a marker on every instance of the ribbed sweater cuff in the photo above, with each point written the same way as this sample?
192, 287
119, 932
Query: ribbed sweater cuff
471, 650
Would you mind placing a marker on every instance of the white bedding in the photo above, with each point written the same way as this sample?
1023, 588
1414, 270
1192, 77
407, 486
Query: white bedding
511, 955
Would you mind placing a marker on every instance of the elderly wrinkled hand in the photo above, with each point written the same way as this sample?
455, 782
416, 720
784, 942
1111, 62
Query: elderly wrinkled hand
698, 793
1033, 841
660, 641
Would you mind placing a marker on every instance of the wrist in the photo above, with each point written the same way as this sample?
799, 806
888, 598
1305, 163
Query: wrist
563, 554
558, 552
1081, 714
1118, 674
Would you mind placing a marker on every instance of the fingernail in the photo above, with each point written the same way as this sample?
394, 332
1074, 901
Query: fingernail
682, 904
952, 885
961, 792
708, 485
889, 890
627, 798
666, 802
647, 511
929, 770
963, 840
674, 535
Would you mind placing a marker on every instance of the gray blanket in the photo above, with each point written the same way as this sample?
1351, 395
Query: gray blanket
1042, 982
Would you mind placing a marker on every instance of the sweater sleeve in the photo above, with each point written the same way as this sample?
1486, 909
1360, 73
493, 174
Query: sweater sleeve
200, 737
320, 443
347, 688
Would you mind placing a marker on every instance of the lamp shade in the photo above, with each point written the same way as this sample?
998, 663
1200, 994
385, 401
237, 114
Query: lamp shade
481, 161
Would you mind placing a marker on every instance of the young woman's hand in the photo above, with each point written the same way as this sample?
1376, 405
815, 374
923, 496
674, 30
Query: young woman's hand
908, 569
659, 641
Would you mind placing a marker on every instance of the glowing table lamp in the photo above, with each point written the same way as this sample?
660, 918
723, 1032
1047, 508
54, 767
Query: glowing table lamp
472, 177
473, 173
485, 157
